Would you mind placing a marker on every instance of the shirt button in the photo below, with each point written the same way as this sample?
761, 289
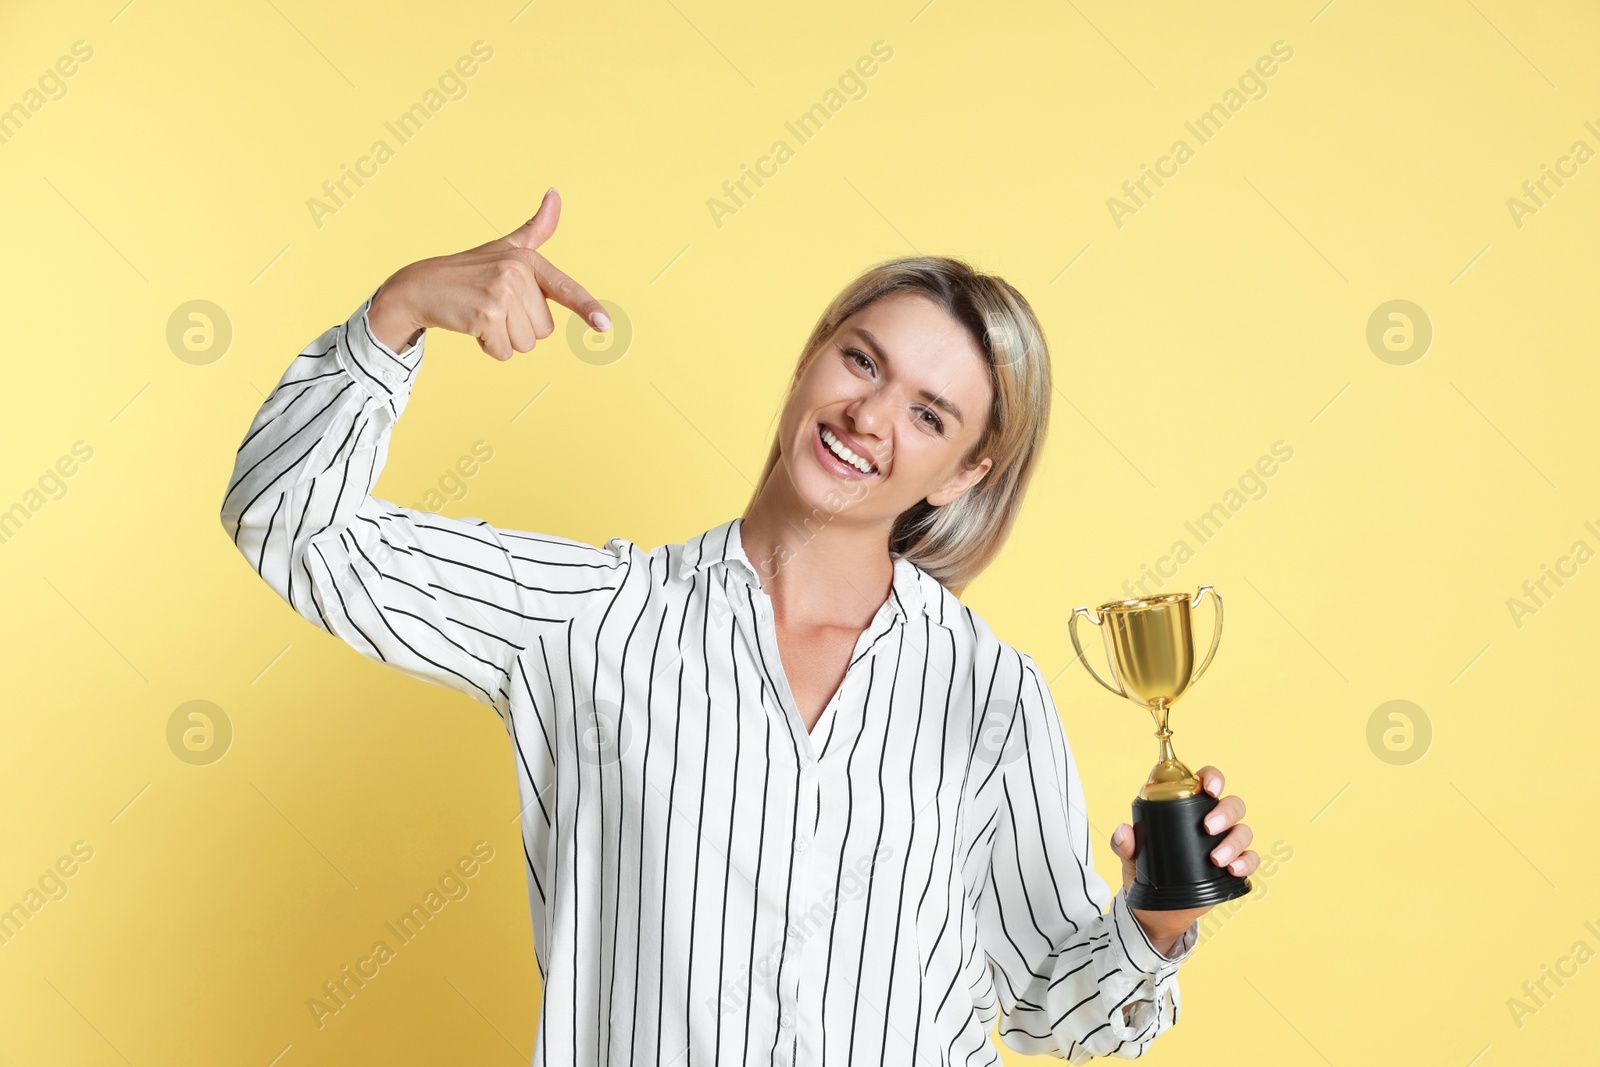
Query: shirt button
786, 1021
801, 844
391, 376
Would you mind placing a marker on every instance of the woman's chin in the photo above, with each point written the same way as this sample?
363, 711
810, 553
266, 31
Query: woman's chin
819, 490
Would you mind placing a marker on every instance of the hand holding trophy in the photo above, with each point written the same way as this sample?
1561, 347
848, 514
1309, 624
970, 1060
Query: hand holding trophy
1150, 648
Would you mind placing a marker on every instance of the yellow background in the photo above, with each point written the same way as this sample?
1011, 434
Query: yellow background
1230, 312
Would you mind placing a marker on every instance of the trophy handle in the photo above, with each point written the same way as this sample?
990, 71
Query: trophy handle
1216, 633
1072, 632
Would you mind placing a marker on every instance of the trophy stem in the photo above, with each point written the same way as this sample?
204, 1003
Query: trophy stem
1163, 733
1169, 779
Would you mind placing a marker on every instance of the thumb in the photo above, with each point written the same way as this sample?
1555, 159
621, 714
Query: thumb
1122, 841
537, 230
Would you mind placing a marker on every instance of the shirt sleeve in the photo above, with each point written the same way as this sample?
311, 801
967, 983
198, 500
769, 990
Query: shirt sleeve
449, 601
1073, 980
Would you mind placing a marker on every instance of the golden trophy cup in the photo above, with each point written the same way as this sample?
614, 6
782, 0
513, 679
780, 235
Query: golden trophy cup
1150, 648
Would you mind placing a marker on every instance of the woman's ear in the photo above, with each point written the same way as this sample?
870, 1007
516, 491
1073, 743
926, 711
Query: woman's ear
958, 485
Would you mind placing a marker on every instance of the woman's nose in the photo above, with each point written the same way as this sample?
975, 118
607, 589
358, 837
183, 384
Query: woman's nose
864, 412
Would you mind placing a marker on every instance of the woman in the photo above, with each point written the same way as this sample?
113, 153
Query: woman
785, 799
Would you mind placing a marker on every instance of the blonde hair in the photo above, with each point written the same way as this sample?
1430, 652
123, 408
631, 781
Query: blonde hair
955, 542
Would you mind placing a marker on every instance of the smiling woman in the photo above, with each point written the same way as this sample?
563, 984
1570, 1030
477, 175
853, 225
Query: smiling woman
962, 360
673, 712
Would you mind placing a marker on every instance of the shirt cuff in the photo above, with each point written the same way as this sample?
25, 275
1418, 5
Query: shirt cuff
379, 369
1137, 947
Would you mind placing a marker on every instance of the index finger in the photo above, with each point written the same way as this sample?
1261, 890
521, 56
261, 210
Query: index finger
1211, 780
569, 294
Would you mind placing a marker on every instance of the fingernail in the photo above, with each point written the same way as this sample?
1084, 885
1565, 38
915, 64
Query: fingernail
1213, 787
601, 320
1116, 836
1222, 855
550, 190
1213, 823
1237, 866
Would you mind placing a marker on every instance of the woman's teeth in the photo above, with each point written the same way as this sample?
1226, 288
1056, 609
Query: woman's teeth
838, 448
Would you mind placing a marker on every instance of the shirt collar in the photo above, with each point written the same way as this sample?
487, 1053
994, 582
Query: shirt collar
914, 589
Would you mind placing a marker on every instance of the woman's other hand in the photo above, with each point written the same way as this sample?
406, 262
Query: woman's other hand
1164, 928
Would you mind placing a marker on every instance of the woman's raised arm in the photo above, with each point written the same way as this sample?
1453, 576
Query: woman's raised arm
450, 601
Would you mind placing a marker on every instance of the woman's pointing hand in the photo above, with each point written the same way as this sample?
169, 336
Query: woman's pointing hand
496, 292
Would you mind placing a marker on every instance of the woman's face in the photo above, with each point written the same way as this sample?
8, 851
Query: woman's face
904, 388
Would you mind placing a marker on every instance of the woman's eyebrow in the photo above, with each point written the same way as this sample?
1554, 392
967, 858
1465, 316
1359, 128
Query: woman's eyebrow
883, 357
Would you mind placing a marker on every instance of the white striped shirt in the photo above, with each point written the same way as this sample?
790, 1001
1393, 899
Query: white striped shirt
710, 882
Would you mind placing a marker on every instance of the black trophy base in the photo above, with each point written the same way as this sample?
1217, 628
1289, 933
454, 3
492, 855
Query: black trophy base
1172, 861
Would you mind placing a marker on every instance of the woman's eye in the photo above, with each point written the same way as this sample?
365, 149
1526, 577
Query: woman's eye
855, 354
937, 423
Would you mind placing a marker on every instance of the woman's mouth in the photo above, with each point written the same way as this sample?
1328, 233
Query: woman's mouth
837, 457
